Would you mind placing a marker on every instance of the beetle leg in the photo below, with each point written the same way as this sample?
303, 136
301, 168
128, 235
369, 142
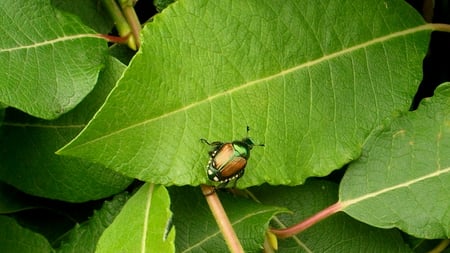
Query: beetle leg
234, 184
205, 141
239, 175
214, 143
222, 185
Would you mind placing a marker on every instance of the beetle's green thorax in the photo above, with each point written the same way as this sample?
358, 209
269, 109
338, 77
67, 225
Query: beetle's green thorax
242, 149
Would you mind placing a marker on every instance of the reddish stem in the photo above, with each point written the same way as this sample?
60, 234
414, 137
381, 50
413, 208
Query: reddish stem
300, 227
115, 39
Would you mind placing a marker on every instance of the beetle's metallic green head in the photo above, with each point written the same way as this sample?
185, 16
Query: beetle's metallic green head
247, 141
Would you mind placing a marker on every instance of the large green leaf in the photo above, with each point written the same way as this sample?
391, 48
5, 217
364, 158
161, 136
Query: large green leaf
403, 178
28, 161
311, 80
142, 224
50, 60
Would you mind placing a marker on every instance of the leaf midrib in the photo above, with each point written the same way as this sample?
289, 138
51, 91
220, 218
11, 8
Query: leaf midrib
43, 126
51, 42
350, 202
148, 206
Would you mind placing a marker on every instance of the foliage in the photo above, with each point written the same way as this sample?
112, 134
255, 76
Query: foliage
327, 87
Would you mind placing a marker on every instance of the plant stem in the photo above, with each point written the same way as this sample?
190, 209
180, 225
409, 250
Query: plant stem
222, 219
441, 246
133, 20
440, 27
121, 23
302, 226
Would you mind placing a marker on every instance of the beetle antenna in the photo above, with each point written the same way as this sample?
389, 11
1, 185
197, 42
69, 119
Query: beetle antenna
205, 141
261, 145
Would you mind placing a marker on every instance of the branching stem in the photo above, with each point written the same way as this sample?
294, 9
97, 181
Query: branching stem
121, 23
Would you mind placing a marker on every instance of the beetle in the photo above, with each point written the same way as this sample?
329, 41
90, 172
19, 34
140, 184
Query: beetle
228, 160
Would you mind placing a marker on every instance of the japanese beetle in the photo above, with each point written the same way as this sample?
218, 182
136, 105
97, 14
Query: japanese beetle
228, 160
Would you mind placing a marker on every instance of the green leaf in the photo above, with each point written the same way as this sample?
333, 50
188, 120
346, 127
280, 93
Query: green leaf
28, 145
162, 4
90, 12
311, 81
50, 60
197, 231
2, 113
141, 225
403, 177
339, 233
12, 201
84, 237
14, 238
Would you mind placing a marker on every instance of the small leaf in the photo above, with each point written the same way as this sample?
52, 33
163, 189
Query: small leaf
28, 145
141, 225
403, 177
162, 4
197, 231
339, 233
311, 81
84, 237
14, 238
50, 60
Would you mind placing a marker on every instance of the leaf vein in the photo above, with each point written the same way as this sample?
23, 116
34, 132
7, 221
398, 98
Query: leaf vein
50, 42
264, 79
350, 202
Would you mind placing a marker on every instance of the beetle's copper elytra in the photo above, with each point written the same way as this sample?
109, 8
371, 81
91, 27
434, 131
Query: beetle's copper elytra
228, 160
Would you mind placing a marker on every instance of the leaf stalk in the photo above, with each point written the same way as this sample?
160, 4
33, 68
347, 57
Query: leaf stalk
302, 226
122, 25
127, 7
